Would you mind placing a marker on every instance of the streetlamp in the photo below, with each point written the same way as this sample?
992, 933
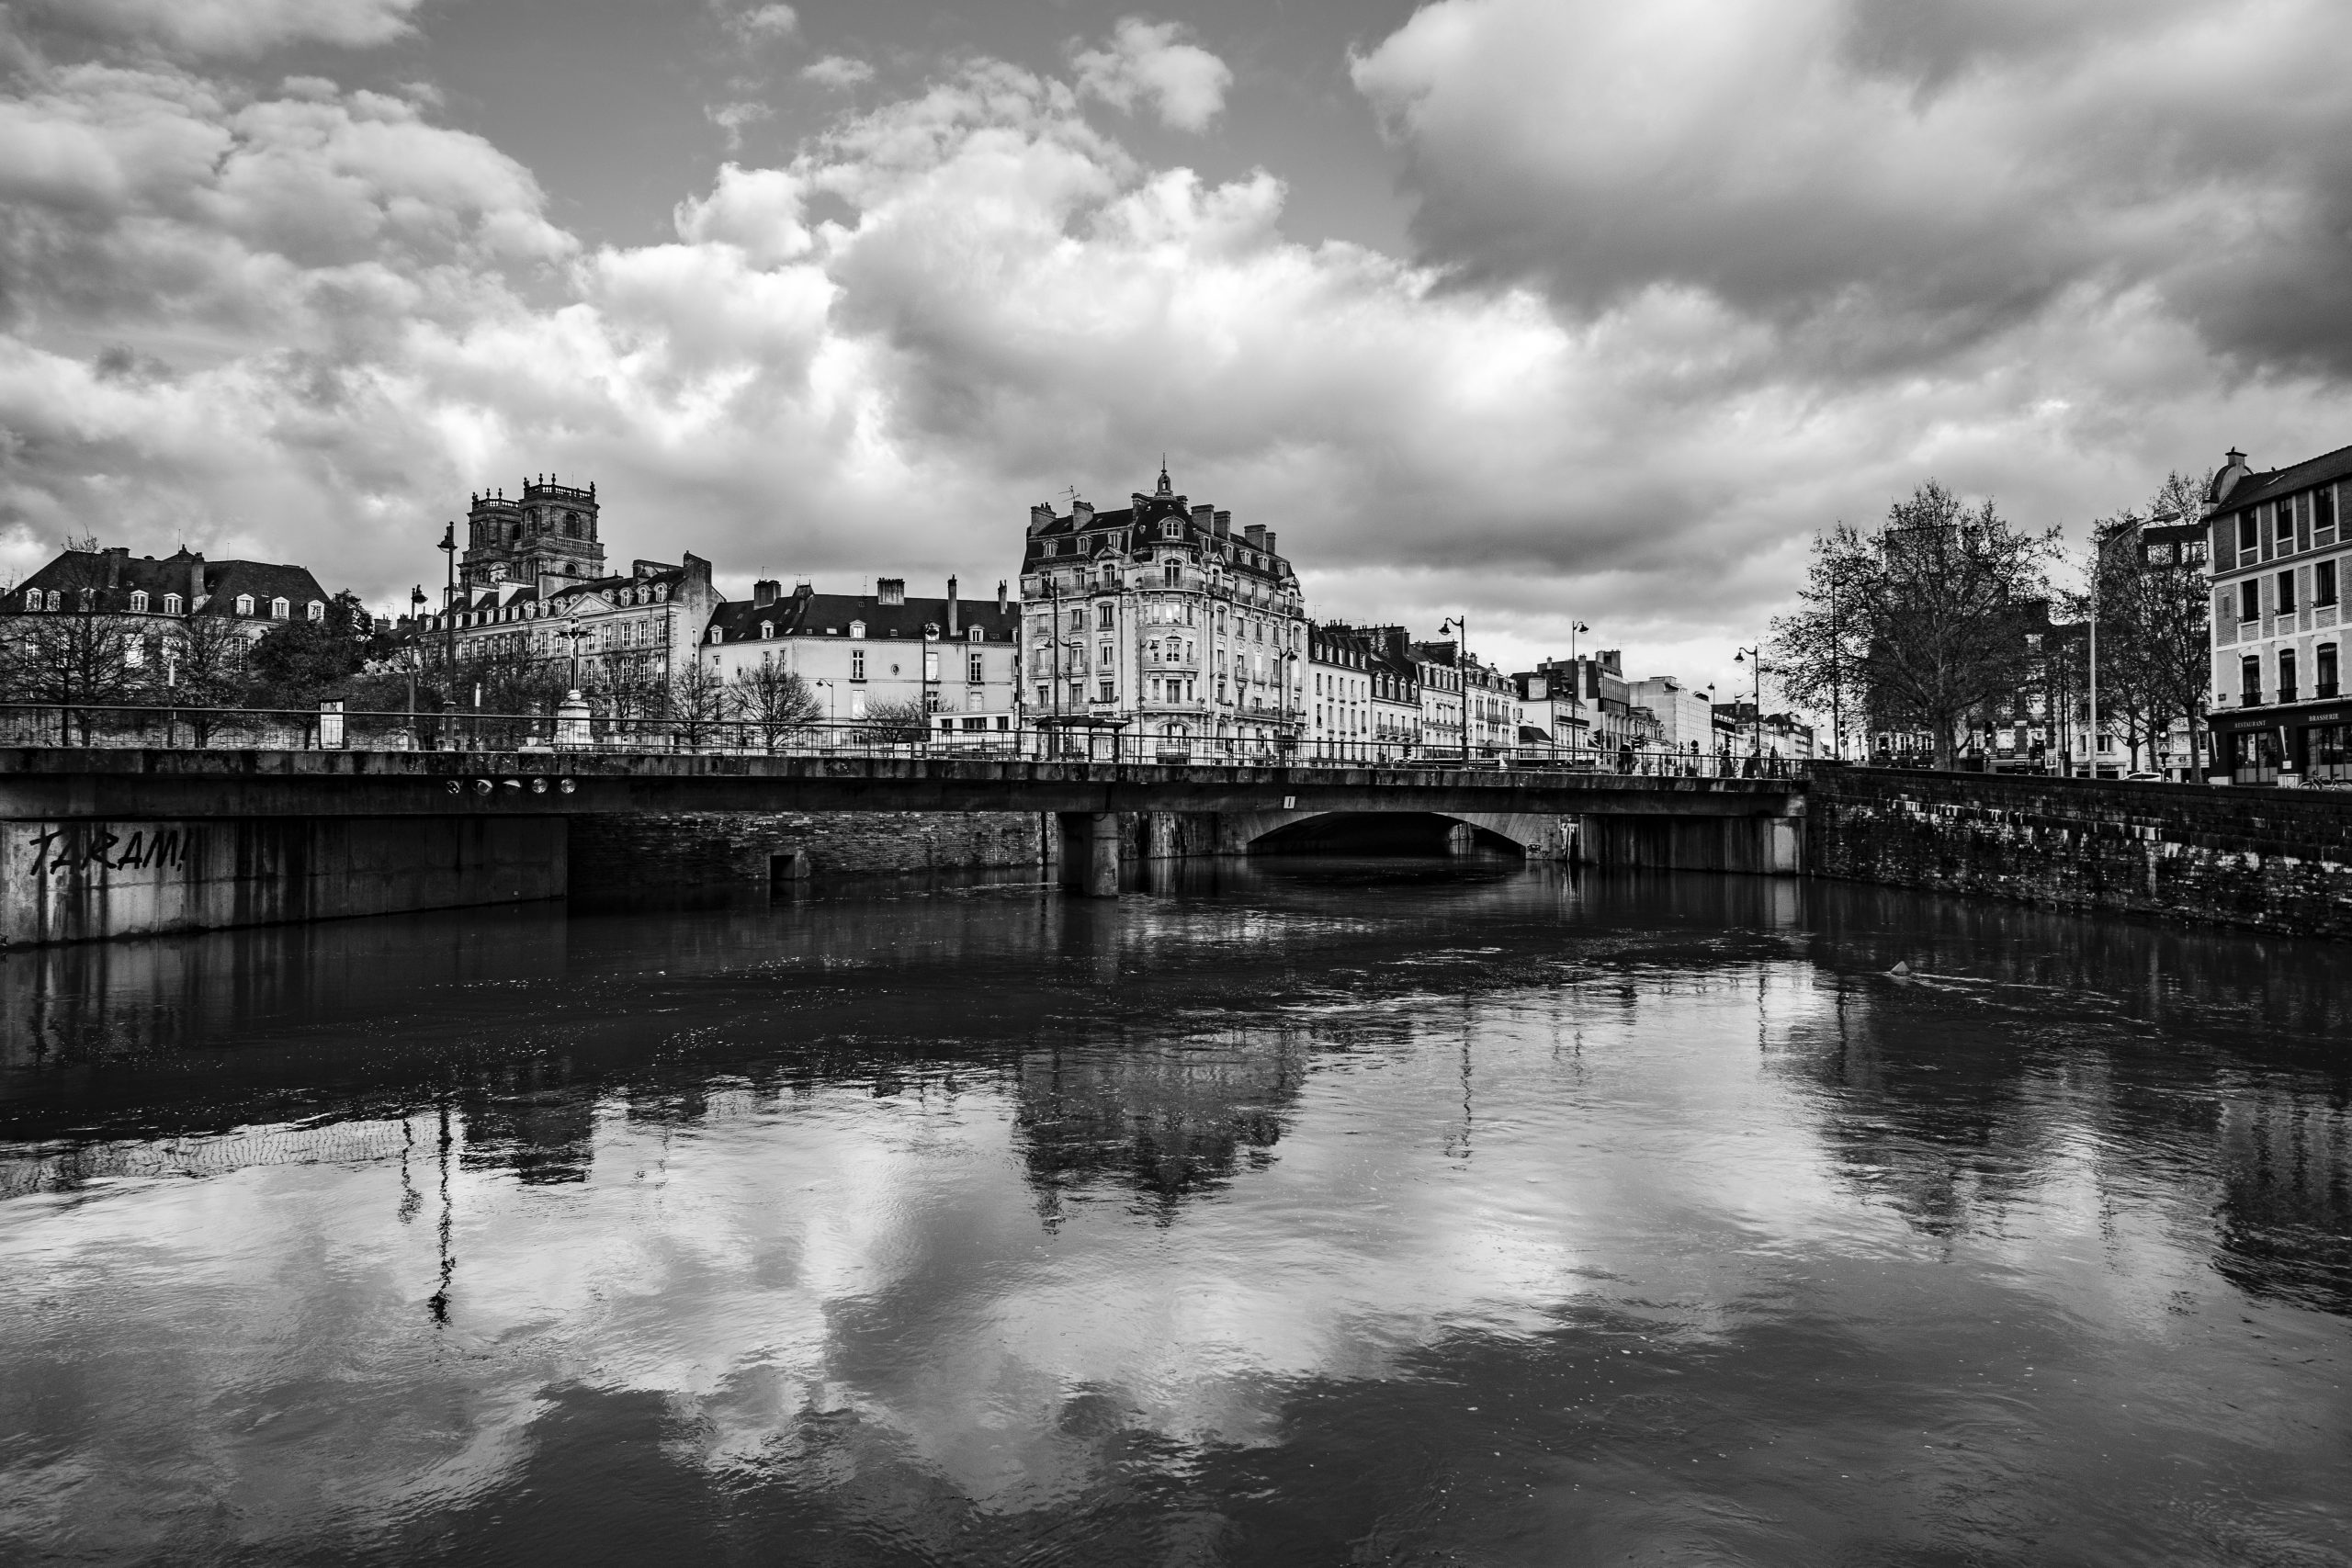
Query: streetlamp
830, 736
1753, 658
1461, 673
574, 631
415, 650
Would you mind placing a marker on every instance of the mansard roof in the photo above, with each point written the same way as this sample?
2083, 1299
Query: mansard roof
831, 615
220, 581
1148, 511
2255, 488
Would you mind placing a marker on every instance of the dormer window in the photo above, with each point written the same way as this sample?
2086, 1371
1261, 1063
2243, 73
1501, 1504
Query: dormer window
977, 634
277, 608
55, 601
245, 603
857, 628
767, 630
315, 611
139, 600
32, 599
718, 634
1172, 529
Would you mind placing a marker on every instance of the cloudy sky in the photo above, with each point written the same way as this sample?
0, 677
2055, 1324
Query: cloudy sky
1539, 310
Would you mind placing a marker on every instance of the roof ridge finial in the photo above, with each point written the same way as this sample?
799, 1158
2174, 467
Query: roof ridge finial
1166, 486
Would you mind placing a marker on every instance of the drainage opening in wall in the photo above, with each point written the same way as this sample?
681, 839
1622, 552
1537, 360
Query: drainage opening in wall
788, 867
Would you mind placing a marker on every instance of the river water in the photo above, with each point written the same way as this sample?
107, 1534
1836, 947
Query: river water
1316, 1212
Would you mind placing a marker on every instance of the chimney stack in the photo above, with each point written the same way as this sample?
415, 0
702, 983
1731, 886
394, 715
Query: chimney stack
1205, 518
1082, 513
800, 588
764, 591
1000, 590
1224, 524
954, 629
1270, 543
115, 558
889, 590
1256, 534
194, 582
1039, 516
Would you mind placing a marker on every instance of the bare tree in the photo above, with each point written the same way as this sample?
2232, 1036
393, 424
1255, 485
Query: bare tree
697, 702
205, 667
772, 700
897, 723
77, 658
2154, 616
1931, 610
1818, 651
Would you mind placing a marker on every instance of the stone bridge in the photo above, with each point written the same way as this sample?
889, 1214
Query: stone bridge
107, 842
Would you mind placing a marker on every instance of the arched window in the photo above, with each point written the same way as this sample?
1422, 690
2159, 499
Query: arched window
718, 634
245, 603
139, 600
1172, 529
277, 608
171, 604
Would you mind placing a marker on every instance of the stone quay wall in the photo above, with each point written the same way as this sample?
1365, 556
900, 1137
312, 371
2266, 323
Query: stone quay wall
84, 881
2266, 859
628, 851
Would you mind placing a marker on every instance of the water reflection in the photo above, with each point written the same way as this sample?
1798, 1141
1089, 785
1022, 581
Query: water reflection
1319, 1212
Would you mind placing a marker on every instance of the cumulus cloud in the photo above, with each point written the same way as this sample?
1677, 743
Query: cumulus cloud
733, 118
1897, 181
1146, 63
235, 26
762, 24
837, 71
305, 323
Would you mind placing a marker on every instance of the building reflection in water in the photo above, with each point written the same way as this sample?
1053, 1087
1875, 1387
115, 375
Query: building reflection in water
962, 1214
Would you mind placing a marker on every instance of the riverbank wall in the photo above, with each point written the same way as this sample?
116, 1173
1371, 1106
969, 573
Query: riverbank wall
2264, 859
84, 881
632, 851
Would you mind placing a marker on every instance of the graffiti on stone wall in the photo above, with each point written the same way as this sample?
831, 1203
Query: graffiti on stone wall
109, 848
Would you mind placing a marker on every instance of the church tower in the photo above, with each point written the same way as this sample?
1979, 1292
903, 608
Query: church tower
546, 536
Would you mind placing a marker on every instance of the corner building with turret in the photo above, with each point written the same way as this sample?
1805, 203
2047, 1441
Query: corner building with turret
1160, 620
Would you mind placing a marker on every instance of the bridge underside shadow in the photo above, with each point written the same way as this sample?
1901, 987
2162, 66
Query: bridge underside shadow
1384, 834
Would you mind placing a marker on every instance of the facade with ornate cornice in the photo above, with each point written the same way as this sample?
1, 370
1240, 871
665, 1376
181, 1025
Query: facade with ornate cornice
1159, 621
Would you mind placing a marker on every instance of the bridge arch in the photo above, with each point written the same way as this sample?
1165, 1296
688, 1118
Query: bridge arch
1526, 834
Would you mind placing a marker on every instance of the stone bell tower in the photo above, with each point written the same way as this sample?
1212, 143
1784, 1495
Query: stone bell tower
548, 535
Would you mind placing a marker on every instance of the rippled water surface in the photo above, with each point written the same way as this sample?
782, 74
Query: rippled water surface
1320, 1213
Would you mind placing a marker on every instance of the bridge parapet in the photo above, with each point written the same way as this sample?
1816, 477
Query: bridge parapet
122, 782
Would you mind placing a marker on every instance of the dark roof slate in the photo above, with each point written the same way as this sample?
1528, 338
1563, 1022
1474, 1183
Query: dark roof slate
224, 580
2255, 488
823, 614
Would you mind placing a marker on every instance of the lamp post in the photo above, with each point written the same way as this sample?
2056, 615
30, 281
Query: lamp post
1754, 659
1461, 626
574, 631
448, 548
415, 650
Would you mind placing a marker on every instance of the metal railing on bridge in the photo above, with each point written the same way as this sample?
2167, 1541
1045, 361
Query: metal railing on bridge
960, 736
